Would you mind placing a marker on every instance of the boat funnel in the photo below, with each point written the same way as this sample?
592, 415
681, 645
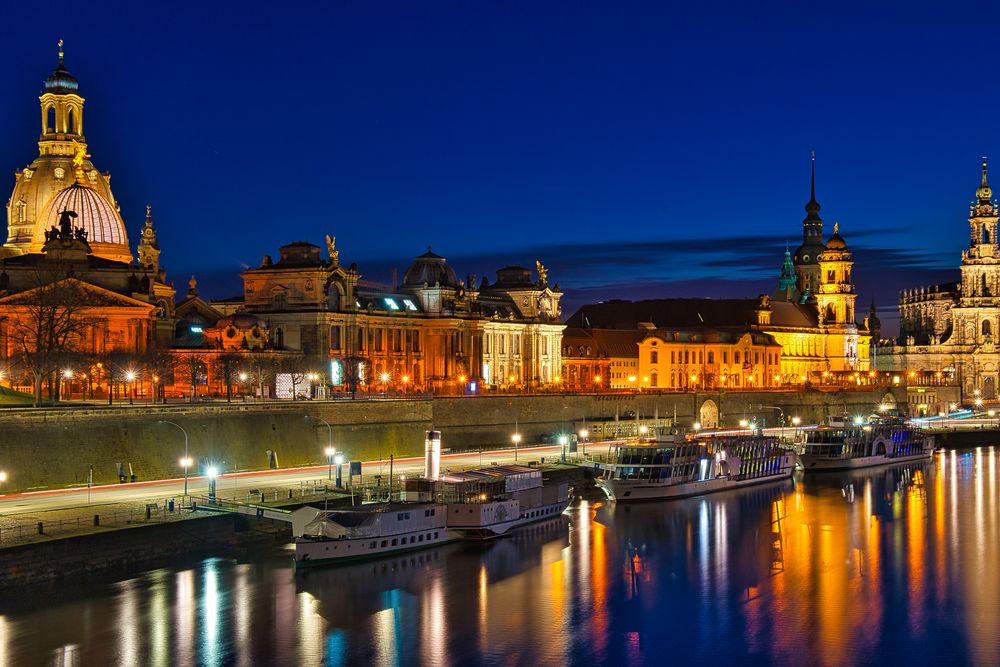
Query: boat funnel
432, 455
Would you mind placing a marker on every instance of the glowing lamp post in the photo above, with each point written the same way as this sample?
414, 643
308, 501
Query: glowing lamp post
516, 439
213, 475
186, 461
562, 443
3, 478
130, 378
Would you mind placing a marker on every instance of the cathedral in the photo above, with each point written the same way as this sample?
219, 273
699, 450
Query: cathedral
951, 328
67, 255
806, 332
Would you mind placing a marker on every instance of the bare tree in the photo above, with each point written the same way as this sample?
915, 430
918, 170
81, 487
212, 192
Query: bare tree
357, 371
48, 324
190, 368
294, 366
229, 367
260, 367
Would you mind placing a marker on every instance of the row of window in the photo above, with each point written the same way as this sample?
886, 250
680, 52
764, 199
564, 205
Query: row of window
695, 357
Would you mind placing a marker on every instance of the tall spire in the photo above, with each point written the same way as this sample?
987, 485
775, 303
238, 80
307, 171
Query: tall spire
61, 54
812, 206
812, 188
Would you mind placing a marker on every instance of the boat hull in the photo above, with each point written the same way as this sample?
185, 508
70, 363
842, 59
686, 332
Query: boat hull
628, 490
532, 515
824, 463
310, 552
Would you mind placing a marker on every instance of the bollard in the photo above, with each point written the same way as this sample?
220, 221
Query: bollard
290, 491
97, 519
41, 528
148, 513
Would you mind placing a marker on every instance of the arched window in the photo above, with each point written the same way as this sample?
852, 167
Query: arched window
986, 234
654, 359
986, 328
70, 117
335, 337
654, 380
279, 338
50, 120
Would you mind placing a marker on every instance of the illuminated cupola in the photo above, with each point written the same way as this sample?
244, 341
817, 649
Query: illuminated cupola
62, 162
62, 112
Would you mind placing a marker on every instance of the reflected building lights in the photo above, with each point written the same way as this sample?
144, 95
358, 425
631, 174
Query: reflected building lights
184, 618
243, 640
309, 628
158, 630
208, 647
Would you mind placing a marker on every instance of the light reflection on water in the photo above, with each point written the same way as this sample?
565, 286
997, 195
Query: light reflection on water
884, 565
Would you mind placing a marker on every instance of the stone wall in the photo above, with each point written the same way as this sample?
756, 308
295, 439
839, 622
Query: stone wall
54, 448
122, 551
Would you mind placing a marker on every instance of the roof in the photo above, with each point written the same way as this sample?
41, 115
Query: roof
689, 313
601, 343
431, 270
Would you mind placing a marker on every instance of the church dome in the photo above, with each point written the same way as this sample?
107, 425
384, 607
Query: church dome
95, 214
430, 269
836, 241
61, 82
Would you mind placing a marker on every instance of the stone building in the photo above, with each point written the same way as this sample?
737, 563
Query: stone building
811, 317
951, 329
66, 240
431, 331
596, 359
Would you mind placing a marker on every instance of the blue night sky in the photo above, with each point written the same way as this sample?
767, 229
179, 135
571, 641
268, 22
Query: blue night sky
637, 149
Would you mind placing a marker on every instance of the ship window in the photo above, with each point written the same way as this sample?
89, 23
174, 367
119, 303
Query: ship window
435, 534
372, 545
421, 538
384, 542
395, 541
433, 511
406, 515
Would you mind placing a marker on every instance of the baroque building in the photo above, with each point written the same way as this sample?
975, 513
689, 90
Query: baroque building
433, 330
804, 331
951, 328
67, 250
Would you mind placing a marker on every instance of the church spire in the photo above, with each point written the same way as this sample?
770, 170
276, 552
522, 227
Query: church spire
812, 206
787, 279
149, 249
984, 192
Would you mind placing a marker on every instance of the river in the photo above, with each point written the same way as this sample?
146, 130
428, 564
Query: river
883, 566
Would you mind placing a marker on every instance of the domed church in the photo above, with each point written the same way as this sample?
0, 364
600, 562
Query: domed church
64, 227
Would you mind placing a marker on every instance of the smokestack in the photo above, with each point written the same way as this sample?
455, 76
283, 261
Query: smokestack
432, 455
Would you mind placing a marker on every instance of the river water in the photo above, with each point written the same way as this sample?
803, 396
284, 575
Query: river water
883, 566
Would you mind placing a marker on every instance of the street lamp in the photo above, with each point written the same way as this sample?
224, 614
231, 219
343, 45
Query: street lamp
584, 434
330, 451
643, 430
516, 439
186, 461
3, 476
212, 473
562, 443
130, 378
329, 433
696, 426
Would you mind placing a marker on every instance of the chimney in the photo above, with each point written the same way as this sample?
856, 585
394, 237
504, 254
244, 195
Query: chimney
432, 455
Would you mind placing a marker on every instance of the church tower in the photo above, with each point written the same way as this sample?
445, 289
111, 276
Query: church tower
149, 249
981, 262
787, 280
807, 255
63, 167
836, 296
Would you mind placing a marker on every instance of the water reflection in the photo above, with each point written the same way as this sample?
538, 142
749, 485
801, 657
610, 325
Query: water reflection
883, 565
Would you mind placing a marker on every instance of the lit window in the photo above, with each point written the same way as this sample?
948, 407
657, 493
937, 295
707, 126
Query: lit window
195, 329
391, 303
409, 305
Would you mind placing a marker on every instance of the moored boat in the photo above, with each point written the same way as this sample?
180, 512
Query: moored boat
863, 445
677, 467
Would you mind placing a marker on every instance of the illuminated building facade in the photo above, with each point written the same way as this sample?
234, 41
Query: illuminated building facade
431, 331
811, 318
66, 239
952, 328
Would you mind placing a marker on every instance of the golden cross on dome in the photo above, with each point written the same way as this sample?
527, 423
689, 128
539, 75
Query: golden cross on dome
60, 50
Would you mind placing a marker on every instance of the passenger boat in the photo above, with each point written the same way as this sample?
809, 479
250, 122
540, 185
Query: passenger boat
372, 531
434, 509
491, 501
864, 445
676, 467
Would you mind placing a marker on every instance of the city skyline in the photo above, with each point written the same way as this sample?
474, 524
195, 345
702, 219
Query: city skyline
617, 177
